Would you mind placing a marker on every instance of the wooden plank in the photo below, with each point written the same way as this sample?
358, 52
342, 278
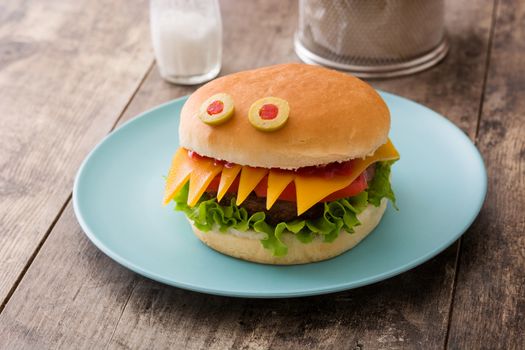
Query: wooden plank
67, 70
408, 311
489, 303
127, 311
81, 295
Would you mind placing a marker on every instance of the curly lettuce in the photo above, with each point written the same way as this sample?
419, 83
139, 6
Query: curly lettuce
338, 215
379, 187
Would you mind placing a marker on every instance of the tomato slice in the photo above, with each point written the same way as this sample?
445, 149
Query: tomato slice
214, 185
357, 186
287, 195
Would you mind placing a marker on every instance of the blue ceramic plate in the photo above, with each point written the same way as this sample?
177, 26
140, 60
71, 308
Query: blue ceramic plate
440, 183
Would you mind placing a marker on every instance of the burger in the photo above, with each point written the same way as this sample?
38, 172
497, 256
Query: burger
287, 164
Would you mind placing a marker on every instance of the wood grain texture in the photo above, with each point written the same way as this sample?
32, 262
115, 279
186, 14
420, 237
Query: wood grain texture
489, 304
81, 296
91, 302
404, 312
67, 70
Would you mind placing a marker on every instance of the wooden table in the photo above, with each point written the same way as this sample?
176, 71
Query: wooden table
71, 71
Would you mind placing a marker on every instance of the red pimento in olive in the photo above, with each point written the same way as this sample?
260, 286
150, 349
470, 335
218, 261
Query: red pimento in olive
215, 107
268, 111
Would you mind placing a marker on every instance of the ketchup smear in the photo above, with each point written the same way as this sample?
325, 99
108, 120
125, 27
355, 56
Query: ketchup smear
327, 171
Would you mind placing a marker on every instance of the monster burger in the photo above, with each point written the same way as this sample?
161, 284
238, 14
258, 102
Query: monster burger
287, 164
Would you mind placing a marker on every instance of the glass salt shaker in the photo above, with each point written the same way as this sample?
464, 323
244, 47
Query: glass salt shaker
187, 39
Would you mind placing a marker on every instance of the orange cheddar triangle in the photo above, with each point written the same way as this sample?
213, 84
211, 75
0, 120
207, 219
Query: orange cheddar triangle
383, 153
250, 178
312, 189
277, 182
228, 175
204, 170
178, 175
386, 152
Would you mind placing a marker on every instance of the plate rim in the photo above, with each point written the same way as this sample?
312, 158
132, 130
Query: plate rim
289, 293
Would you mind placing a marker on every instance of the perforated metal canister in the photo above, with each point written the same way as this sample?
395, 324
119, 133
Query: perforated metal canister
372, 38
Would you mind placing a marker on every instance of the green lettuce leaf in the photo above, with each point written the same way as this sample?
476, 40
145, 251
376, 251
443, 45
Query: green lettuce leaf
338, 215
380, 187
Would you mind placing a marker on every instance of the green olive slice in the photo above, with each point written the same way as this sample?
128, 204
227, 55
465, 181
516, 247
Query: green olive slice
217, 109
269, 113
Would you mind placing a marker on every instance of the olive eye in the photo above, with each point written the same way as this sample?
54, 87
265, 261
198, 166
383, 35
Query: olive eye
269, 113
217, 109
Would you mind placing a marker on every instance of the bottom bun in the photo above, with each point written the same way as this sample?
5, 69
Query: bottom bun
248, 246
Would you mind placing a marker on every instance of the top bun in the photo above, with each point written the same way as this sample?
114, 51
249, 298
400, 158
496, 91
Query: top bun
334, 117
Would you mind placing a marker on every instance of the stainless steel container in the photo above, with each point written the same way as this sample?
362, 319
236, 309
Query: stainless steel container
372, 38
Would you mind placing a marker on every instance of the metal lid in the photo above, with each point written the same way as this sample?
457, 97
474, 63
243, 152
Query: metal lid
414, 65
372, 38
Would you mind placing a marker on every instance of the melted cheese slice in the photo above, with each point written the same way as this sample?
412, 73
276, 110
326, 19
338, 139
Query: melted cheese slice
200, 172
179, 174
277, 182
311, 189
228, 175
250, 178
203, 173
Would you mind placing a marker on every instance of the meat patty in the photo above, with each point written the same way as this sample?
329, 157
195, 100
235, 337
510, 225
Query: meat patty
279, 212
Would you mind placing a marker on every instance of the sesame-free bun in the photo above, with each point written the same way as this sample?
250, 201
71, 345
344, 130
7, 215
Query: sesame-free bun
251, 249
333, 117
